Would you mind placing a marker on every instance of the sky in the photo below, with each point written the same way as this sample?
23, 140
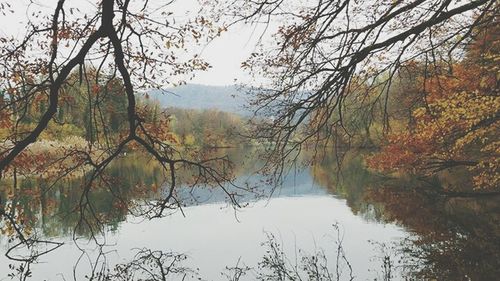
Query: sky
225, 53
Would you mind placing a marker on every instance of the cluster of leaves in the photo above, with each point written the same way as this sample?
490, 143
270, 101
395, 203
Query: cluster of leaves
459, 123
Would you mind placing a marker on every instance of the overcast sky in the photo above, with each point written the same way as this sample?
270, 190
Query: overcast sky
224, 54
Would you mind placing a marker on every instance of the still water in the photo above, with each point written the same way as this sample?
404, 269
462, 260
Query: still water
381, 224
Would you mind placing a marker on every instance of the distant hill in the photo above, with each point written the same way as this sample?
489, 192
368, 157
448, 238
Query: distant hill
195, 96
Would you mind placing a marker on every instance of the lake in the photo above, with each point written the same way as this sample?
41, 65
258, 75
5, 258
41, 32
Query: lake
386, 228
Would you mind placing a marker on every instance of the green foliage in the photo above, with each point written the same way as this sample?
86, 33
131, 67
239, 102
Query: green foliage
207, 128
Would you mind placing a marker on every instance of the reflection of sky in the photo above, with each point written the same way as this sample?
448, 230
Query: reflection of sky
300, 213
215, 236
296, 183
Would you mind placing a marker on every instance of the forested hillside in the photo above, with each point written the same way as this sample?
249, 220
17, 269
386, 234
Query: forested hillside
194, 96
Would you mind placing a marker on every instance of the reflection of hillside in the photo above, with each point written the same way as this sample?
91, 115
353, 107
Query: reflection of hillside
350, 182
248, 183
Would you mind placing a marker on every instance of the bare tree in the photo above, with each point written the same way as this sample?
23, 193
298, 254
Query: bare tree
109, 48
328, 51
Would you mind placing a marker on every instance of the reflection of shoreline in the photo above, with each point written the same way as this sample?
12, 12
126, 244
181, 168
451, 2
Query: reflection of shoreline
449, 232
456, 237
136, 180
49, 159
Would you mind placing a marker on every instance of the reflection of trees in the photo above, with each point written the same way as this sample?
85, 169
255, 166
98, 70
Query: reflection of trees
349, 182
454, 236
32, 209
131, 181
457, 238
52, 207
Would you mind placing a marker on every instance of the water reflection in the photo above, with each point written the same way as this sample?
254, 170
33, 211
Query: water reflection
456, 238
451, 238
444, 238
